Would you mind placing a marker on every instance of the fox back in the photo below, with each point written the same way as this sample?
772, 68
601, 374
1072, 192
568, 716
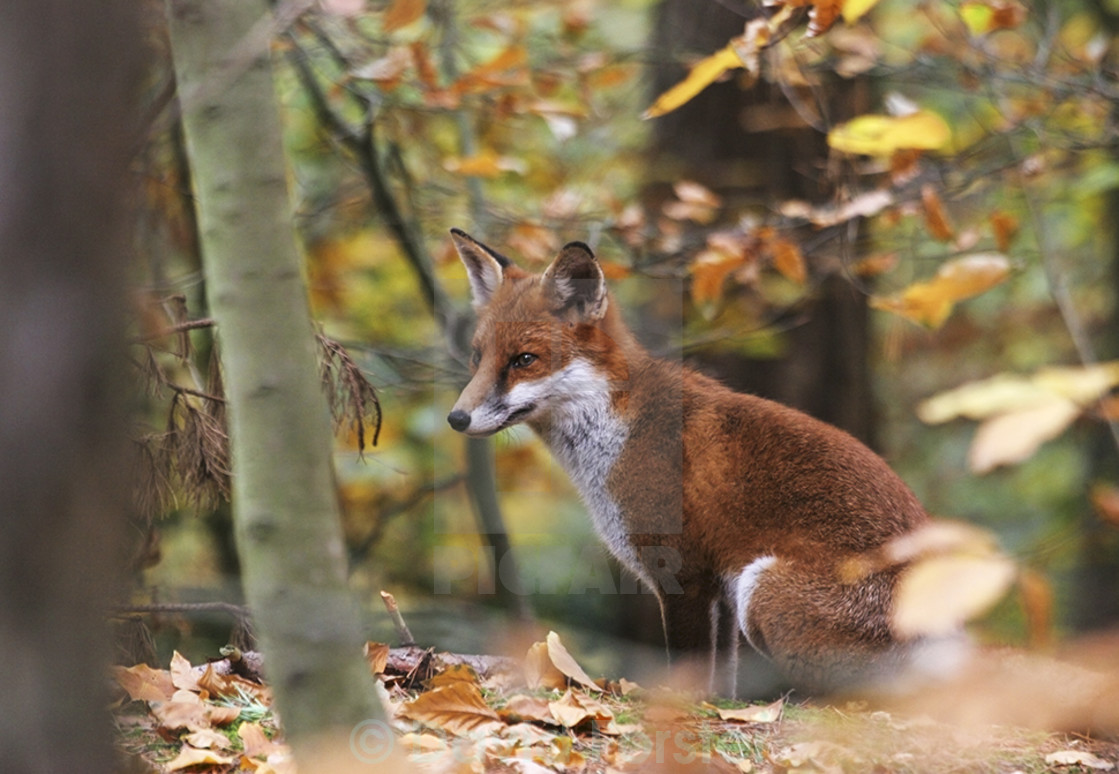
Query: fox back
736, 511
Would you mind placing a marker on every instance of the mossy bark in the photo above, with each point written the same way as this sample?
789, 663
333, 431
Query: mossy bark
284, 502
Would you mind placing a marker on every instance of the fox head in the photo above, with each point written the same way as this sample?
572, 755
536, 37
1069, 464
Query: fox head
546, 346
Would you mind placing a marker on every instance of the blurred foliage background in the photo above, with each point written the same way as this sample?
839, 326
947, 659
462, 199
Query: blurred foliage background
740, 234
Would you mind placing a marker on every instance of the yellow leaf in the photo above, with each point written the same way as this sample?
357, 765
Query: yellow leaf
540, 672
929, 303
1005, 393
877, 135
402, 13
1010, 438
458, 708
705, 72
938, 594
767, 713
486, 164
853, 10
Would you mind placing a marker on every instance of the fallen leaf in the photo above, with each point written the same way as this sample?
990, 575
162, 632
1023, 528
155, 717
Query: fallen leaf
255, 742
880, 135
142, 683
459, 673
766, 713
566, 664
189, 756
416, 744
1078, 758
377, 656
457, 708
938, 594
540, 672
182, 673
530, 708
1013, 437
573, 709
208, 739
929, 303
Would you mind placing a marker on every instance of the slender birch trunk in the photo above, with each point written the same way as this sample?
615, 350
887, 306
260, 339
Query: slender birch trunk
284, 503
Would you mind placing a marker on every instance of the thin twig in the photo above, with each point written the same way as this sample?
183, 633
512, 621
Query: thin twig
403, 633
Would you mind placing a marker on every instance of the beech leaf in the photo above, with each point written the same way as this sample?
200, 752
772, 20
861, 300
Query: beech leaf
766, 713
938, 594
703, 73
931, 302
1013, 437
458, 708
142, 683
879, 135
566, 664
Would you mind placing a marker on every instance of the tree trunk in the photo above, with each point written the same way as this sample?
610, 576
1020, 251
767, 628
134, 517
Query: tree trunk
68, 79
754, 149
286, 513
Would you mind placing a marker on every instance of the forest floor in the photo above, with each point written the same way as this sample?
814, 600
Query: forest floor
453, 713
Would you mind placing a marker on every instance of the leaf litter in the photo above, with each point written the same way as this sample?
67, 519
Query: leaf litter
553, 717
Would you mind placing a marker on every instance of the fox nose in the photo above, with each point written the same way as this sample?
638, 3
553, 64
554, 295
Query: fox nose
459, 420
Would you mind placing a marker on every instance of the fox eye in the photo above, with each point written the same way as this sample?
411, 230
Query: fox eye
475, 357
522, 360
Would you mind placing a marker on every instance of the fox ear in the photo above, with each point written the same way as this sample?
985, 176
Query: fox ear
575, 283
484, 267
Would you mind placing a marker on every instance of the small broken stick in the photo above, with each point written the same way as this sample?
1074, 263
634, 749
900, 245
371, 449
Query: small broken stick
402, 632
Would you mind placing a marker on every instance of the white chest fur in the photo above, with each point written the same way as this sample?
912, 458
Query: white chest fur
586, 437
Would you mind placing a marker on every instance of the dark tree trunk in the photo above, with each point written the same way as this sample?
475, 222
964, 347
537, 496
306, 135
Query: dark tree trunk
68, 74
755, 149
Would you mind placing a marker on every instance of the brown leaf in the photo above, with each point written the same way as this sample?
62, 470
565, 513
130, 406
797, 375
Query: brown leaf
526, 708
457, 708
936, 218
1005, 227
209, 739
1105, 499
766, 713
182, 673
255, 742
185, 710
402, 13
454, 674
575, 708
788, 260
142, 683
540, 672
566, 664
189, 756
377, 656
1081, 758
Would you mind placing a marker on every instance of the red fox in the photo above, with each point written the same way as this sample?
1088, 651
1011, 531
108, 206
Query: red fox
736, 510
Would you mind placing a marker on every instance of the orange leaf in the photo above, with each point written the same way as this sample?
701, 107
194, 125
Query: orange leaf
709, 272
936, 219
457, 708
1037, 603
1005, 227
377, 656
402, 13
788, 260
929, 303
1105, 499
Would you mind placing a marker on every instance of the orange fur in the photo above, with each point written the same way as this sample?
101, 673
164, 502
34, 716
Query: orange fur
737, 510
